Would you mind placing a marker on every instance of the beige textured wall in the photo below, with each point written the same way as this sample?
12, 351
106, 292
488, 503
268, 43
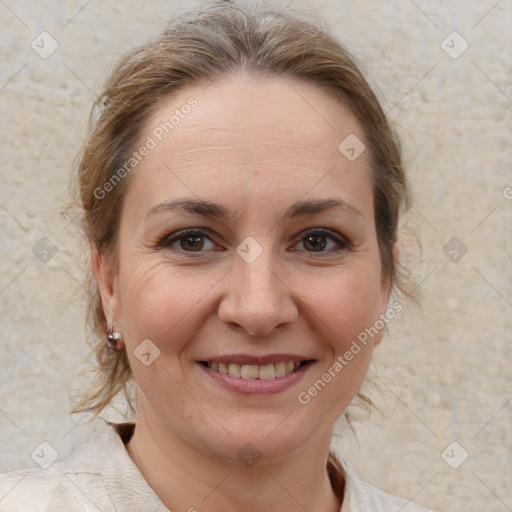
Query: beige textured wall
443, 375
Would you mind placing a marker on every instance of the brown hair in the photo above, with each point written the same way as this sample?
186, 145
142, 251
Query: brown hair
200, 47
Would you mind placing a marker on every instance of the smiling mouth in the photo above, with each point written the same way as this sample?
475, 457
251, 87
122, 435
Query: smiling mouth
254, 372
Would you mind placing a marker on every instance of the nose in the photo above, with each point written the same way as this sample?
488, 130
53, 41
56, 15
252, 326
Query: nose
257, 299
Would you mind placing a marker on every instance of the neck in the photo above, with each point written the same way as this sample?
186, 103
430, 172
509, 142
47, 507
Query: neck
185, 479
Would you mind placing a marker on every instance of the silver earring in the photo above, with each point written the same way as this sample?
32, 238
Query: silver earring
112, 338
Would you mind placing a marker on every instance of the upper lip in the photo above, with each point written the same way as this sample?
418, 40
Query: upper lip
245, 359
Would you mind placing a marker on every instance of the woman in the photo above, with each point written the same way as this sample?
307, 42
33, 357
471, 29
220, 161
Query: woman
241, 189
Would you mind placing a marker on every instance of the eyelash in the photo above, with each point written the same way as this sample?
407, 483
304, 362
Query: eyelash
169, 240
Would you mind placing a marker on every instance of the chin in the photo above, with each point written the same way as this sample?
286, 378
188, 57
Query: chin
266, 437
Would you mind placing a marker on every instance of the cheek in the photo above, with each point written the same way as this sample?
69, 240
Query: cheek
160, 302
158, 305
344, 303
345, 309
152, 304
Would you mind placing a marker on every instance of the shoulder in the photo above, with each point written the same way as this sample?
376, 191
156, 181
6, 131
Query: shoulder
76, 480
97, 476
388, 502
361, 496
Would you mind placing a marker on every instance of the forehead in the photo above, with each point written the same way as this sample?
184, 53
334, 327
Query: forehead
238, 108
266, 132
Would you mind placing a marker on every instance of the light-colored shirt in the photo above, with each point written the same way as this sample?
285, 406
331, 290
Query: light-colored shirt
101, 476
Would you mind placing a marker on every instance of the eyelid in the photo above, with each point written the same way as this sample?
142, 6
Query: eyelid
167, 241
342, 242
171, 238
323, 231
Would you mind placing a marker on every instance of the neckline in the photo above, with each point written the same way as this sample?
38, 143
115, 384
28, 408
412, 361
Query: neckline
335, 470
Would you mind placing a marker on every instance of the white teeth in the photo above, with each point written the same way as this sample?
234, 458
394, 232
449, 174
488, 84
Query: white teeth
251, 371
234, 370
280, 369
267, 371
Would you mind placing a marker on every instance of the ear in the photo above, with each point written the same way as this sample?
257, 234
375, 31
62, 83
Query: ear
106, 278
386, 287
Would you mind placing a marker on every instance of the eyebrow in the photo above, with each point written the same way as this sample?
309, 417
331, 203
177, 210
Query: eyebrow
298, 209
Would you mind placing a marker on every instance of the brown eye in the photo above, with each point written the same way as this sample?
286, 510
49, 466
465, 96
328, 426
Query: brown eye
187, 242
192, 243
315, 243
322, 241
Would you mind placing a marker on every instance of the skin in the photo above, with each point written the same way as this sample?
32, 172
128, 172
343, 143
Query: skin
256, 147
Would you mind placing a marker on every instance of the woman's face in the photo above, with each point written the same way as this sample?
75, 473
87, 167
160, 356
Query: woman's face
247, 245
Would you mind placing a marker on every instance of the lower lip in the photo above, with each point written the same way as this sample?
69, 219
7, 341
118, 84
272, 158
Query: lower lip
257, 386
